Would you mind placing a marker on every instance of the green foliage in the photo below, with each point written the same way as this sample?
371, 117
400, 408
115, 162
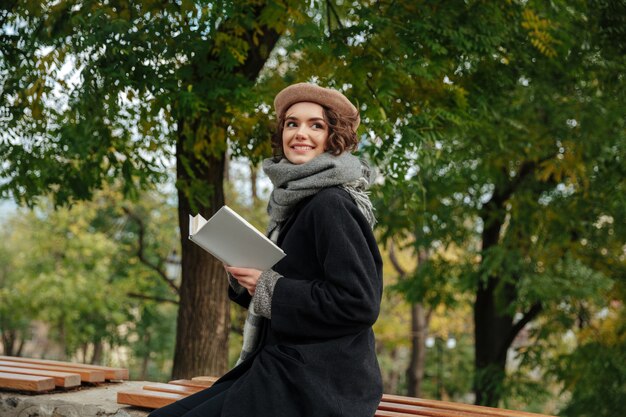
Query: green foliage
54, 268
499, 130
595, 372
16, 307
76, 271
151, 336
103, 91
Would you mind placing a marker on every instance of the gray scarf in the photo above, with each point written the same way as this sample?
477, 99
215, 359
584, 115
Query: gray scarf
293, 183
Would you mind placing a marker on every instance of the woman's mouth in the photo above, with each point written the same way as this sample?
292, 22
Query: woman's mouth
302, 148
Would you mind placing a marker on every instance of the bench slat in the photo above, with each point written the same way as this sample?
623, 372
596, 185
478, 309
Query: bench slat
191, 383
158, 395
26, 382
109, 372
413, 410
85, 374
211, 379
147, 399
447, 405
383, 413
173, 388
61, 379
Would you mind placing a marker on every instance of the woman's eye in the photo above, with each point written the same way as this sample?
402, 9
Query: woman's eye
318, 126
290, 124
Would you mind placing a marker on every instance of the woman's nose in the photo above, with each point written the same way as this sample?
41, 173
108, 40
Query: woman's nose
301, 132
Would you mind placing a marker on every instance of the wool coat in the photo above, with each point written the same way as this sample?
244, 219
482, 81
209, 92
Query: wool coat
316, 356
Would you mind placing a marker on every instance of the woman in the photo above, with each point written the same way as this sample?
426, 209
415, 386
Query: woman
308, 340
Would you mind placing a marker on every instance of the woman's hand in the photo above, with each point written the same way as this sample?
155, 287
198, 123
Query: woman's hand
247, 277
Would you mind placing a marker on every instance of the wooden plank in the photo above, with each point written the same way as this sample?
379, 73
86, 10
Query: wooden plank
26, 382
412, 410
85, 375
381, 413
109, 372
158, 395
147, 399
61, 379
447, 405
191, 383
210, 379
173, 388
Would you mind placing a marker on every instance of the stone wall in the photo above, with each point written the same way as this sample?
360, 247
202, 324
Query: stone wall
97, 401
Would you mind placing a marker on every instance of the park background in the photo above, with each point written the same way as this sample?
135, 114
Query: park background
497, 129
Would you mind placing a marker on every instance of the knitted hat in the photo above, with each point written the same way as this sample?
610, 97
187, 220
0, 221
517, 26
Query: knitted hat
325, 97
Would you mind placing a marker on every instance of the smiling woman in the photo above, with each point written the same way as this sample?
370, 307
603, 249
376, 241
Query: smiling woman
308, 347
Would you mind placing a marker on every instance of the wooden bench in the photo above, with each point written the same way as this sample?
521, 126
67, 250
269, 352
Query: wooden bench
158, 395
40, 375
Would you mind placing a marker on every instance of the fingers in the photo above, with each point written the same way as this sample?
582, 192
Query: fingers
247, 277
248, 284
243, 272
239, 271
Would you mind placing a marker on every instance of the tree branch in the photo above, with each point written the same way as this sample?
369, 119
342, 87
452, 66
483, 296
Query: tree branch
525, 170
394, 260
492, 214
375, 96
529, 316
328, 16
20, 348
140, 250
152, 298
331, 8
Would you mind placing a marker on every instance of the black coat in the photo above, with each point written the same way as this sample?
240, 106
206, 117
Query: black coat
317, 355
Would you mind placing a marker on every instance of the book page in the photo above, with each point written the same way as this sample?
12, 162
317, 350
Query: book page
195, 223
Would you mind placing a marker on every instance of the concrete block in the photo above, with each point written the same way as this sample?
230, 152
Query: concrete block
97, 401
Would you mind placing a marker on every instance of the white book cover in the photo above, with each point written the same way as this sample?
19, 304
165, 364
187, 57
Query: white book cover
234, 241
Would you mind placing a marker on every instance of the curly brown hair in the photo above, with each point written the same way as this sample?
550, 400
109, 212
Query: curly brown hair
341, 137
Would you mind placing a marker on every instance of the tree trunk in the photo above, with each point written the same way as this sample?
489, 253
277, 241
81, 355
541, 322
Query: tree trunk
145, 361
393, 377
420, 318
254, 169
62, 340
419, 331
20, 348
494, 325
85, 348
493, 322
9, 339
98, 349
203, 315
492, 330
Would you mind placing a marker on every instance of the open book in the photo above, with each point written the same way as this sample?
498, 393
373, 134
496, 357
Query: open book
234, 241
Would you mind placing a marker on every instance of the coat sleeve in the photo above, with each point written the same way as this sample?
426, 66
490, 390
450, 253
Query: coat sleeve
240, 297
346, 299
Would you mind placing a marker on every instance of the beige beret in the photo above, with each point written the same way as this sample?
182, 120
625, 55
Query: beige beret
326, 97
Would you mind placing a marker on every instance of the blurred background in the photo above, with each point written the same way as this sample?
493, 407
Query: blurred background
497, 129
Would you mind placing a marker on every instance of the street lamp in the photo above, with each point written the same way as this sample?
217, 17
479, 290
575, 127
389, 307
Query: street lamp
438, 342
173, 266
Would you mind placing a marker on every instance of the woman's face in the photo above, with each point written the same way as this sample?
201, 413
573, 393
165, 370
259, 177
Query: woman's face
305, 132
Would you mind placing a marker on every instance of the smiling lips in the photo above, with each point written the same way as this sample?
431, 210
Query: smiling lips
302, 148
